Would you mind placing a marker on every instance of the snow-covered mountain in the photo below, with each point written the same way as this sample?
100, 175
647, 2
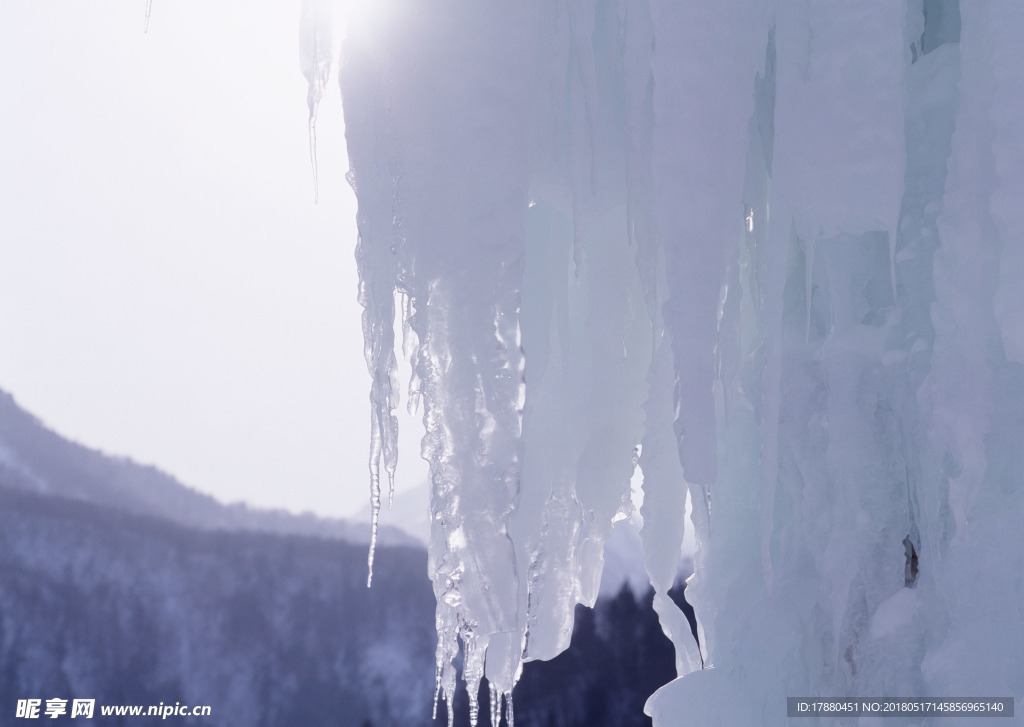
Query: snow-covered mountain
36, 459
120, 584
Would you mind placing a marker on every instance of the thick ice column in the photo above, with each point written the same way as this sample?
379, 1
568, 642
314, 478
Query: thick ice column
664, 506
699, 145
698, 164
474, 160
975, 389
835, 484
1007, 124
966, 277
663, 483
838, 167
586, 331
439, 98
802, 459
839, 114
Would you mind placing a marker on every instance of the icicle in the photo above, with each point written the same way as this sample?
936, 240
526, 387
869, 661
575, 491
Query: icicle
437, 692
509, 715
444, 692
380, 238
383, 444
312, 150
495, 702
315, 52
447, 650
149, 9
474, 646
374, 500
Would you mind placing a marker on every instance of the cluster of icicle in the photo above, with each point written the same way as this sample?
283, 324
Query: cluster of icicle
774, 243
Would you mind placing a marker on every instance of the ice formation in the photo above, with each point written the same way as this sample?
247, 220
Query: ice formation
774, 243
316, 54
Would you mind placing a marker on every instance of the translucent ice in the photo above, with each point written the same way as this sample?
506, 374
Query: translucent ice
775, 244
315, 46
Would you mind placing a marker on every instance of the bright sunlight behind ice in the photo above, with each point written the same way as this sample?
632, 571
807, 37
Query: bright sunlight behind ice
573, 198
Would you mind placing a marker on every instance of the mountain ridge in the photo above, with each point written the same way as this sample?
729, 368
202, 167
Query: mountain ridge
35, 458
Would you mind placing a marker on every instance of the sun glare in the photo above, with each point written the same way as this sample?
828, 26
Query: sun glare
360, 17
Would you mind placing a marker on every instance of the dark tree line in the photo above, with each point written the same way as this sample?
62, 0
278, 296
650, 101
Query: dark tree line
618, 657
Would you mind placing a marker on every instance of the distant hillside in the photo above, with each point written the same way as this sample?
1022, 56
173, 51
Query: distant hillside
35, 459
268, 630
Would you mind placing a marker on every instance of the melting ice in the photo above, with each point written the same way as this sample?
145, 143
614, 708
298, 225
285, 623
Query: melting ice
775, 244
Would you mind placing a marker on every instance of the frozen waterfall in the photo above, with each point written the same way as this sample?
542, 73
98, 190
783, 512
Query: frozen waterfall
774, 244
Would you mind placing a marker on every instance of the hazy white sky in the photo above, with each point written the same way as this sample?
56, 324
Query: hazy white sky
168, 291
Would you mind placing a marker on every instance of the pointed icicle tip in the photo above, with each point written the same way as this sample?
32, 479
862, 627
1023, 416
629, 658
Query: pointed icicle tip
509, 714
374, 519
495, 701
149, 10
312, 151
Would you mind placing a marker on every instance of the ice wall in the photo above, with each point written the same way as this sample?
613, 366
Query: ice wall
772, 243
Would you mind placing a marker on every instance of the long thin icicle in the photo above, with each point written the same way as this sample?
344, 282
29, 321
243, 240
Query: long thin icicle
316, 53
379, 252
